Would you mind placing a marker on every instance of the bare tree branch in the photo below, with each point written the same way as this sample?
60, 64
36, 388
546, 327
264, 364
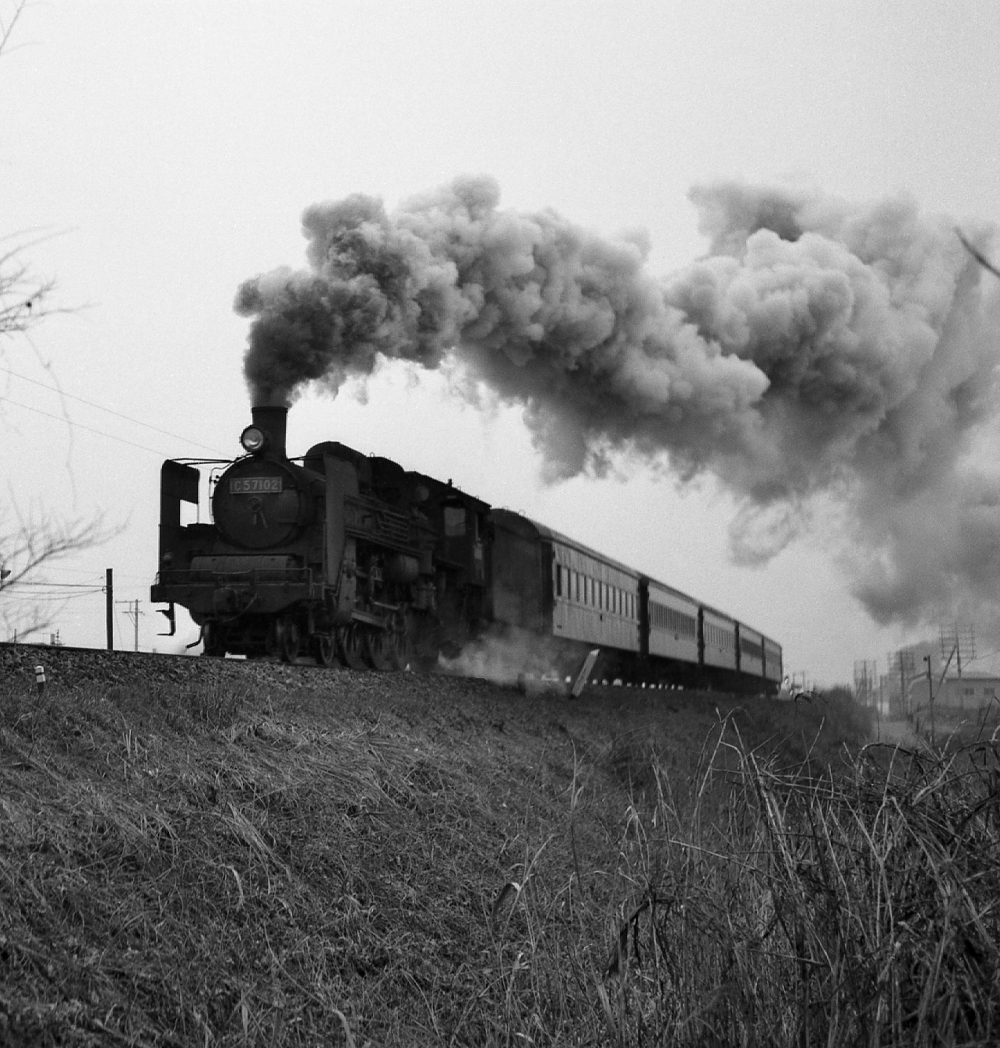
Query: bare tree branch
7, 27
22, 300
978, 255
30, 543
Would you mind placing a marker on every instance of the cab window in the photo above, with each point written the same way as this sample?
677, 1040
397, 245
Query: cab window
454, 521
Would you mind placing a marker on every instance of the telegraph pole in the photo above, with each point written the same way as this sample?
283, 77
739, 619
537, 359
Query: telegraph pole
109, 607
902, 685
961, 639
133, 613
930, 694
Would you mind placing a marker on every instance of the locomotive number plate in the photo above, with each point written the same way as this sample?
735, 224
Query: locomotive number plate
254, 485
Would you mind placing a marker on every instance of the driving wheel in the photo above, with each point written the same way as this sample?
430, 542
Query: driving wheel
379, 649
289, 640
325, 649
349, 641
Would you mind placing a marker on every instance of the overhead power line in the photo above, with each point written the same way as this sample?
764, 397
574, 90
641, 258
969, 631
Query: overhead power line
80, 425
22, 583
101, 407
44, 598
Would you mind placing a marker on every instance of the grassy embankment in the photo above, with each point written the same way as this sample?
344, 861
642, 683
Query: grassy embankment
347, 859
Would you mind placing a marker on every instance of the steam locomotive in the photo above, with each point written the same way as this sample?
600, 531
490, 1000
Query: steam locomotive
352, 559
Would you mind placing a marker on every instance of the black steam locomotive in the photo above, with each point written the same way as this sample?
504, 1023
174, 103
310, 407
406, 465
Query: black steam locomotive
351, 558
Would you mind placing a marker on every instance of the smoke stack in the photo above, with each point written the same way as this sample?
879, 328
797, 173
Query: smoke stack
272, 421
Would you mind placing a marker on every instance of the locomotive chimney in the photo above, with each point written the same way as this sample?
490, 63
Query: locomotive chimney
272, 421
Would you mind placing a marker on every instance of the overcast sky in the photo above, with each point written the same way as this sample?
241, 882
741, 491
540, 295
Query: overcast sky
163, 153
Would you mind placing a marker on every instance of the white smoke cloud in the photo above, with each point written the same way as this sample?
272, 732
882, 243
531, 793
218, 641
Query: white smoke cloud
820, 350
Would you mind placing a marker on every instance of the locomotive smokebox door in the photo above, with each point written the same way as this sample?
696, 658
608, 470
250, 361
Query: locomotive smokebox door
259, 503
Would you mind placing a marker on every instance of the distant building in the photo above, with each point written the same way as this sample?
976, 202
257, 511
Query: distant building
905, 685
968, 693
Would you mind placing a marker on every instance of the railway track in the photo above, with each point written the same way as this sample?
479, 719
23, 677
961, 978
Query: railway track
70, 666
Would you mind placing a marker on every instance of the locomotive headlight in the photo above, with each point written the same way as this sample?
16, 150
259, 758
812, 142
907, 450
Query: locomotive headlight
253, 439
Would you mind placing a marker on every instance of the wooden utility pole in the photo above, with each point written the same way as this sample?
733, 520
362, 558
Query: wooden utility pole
930, 694
109, 607
133, 614
902, 686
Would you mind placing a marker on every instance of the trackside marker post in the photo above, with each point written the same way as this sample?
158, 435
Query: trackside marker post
40, 679
584, 675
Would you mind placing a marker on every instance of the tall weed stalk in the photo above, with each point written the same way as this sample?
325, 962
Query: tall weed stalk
780, 907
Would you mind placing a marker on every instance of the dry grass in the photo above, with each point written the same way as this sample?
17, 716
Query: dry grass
390, 861
834, 910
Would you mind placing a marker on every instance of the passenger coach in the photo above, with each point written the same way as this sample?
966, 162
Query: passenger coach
546, 585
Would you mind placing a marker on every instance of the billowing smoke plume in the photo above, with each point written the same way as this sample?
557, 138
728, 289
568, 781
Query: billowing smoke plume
823, 356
